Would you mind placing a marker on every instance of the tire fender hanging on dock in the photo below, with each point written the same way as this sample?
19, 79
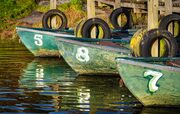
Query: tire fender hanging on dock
50, 14
115, 15
168, 44
145, 43
78, 30
102, 29
135, 41
167, 20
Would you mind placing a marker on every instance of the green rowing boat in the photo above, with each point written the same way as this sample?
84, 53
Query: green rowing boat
40, 41
93, 56
154, 81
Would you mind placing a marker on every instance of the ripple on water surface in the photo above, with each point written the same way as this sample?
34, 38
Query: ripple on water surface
29, 84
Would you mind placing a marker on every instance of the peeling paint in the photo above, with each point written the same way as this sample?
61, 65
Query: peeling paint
45, 53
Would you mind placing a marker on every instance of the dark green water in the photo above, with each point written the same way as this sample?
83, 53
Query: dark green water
43, 85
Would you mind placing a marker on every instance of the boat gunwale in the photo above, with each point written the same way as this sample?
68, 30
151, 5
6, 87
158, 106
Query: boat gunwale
50, 32
64, 34
108, 48
136, 62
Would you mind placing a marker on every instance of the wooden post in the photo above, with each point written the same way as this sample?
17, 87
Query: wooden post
168, 7
153, 23
99, 4
53, 5
168, 10
91, 8
152, 14
91, 14
117, 4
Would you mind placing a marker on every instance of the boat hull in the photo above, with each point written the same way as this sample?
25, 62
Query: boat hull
90, 58
151, 84
40, 42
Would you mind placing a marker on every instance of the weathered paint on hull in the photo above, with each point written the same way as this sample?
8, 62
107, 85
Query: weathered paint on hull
45, 53
86, 58
41, 42
160, 87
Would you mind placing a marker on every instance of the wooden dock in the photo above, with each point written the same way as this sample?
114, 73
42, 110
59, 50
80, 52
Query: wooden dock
141, 4
151, 7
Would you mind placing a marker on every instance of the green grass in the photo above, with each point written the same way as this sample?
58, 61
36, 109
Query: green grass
77, 4
73, 11
14, 9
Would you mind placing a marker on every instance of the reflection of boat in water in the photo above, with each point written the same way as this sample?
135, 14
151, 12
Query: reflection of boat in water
41, 72
51, 85
160, 110
104, 93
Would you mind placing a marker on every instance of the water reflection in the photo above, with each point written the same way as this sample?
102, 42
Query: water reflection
42, 72
47, 78
50, 85
42, 85
160, 110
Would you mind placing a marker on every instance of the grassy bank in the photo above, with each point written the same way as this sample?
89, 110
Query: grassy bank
13, 10
73, 11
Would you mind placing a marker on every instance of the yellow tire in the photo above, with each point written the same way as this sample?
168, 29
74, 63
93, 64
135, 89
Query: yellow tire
78, 30
136, 40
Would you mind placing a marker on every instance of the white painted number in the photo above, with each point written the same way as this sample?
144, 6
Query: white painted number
82, 54
40, 76
152, 83
38, 39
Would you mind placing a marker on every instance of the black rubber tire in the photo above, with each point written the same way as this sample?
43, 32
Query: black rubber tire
116, 13
52, 13
151, 36
165, 21
90, 23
